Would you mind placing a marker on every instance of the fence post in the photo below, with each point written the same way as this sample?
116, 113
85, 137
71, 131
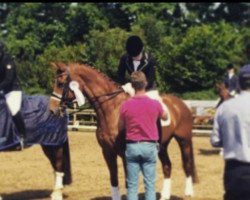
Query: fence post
74, 115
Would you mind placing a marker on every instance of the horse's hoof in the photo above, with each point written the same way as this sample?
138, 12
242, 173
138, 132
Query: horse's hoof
56, 195
1, 198
188, 197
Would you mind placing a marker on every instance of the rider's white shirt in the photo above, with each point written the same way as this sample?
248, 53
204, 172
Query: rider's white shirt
14, 100
136, 64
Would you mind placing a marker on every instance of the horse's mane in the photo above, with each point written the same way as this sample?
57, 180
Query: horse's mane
96, 71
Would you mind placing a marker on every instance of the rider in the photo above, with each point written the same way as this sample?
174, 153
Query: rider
231, 80
136, 59
11, 88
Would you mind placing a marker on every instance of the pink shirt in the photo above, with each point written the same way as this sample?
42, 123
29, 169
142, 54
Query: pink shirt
139, 115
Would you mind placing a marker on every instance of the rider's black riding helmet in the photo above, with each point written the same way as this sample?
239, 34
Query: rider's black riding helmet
134, 45
230, 66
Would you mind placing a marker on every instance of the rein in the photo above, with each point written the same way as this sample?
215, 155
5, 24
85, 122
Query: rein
109, 94
95, 99
79, 110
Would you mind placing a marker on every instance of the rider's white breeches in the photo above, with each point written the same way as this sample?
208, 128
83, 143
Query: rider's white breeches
14, 100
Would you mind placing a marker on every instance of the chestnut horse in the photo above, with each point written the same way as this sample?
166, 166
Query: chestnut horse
106, 97
37, 116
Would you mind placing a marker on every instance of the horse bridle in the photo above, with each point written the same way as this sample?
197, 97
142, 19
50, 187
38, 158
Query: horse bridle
64, 99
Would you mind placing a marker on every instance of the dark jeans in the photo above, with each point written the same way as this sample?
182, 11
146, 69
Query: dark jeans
237, 180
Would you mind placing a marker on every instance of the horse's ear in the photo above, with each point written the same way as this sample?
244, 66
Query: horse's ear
54, 65
58, 65
219, 84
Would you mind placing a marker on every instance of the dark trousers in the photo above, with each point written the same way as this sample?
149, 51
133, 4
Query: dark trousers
20, 125
237, 180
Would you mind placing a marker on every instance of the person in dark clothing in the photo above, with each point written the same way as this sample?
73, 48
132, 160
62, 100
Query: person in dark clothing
231, 80
11, 88
136, 59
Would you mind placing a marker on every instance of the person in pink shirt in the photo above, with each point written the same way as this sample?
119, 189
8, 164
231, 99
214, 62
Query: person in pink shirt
138, 116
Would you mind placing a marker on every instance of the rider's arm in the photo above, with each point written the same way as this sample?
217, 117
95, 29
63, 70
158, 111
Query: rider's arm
150, 73
121, 71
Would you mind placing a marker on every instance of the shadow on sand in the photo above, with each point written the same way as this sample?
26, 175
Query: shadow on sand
141, 197
29, 195
209, 152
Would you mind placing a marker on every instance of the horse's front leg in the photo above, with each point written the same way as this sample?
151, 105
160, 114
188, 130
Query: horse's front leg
166, 167
57, 193
111, 161
55, 156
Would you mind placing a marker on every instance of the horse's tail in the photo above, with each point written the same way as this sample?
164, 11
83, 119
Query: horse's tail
67, 179
194, 175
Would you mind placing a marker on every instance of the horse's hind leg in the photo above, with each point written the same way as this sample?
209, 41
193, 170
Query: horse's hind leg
111, 161
166, 167
188, 163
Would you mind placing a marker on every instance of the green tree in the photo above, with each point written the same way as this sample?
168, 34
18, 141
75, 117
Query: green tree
199, 60
105, 48
81, 18
39, 76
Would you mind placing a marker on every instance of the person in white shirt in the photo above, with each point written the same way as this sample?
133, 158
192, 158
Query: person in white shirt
231, 130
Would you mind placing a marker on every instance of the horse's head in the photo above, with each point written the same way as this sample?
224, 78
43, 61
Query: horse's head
99, 89
61, 92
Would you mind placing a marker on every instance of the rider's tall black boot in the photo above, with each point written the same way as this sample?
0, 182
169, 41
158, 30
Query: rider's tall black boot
20, 125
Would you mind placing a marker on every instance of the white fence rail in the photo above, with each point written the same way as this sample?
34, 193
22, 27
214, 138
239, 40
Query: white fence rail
203, 112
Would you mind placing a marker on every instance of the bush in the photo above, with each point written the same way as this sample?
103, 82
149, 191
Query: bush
197, 60
201, 95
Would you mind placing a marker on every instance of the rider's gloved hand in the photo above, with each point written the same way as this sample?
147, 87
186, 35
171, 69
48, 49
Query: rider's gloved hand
128, 89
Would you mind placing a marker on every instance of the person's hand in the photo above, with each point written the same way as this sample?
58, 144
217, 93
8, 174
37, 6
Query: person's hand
128, 89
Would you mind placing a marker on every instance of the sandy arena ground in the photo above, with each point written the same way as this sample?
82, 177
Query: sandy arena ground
27, 175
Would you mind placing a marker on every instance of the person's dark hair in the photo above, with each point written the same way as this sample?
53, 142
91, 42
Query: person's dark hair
244, 77
134, 45
230, 66
138, 80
